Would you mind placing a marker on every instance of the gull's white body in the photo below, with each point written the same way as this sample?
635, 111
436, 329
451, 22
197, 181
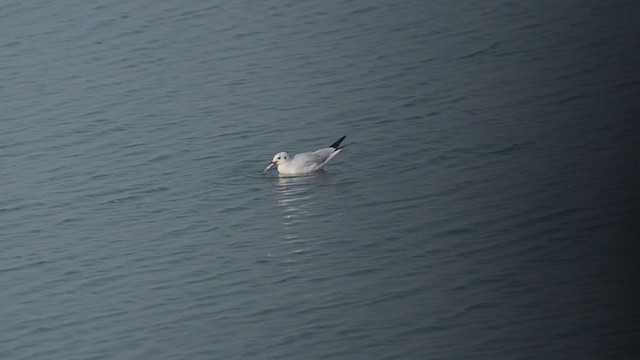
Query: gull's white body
304, 163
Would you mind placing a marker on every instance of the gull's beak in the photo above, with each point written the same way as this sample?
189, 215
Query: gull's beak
269, 167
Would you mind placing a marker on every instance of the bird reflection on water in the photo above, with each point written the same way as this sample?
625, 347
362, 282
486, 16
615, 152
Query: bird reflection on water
297, 198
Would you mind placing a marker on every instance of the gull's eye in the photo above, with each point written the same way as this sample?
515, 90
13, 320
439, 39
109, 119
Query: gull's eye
278, 157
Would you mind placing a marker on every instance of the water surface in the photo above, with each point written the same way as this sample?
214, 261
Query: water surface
486, 209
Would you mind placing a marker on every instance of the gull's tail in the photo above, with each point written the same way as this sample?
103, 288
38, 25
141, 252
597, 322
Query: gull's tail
332, 153
336, 145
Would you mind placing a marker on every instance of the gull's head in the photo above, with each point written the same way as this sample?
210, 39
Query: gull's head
278, 159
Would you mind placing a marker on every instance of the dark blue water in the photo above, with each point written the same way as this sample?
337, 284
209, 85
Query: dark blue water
488, 208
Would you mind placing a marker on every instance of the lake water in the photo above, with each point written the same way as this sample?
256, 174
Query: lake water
488, 208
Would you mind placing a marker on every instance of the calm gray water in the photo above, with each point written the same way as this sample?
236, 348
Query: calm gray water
486, 210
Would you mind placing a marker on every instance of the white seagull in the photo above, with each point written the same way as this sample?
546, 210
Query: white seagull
305, 163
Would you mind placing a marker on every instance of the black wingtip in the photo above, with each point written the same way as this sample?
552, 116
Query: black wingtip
336, 145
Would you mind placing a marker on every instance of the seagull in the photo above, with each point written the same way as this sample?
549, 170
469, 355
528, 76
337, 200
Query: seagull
305, 163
